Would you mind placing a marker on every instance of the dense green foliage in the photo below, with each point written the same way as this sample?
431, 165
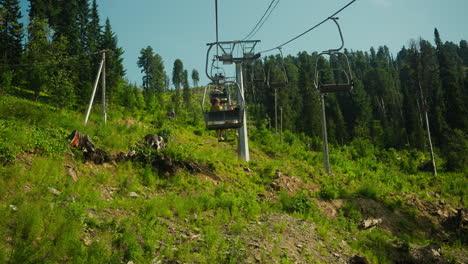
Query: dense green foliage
389, 100
132, 211
196, 217
387, 106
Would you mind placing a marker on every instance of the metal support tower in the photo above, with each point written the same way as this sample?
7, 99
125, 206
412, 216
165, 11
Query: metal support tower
281, 124
228, 49
104, 114
243, 142
276, 111
325, 137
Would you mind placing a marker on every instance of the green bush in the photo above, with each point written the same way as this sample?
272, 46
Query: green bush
299, 203
6, 154
457, 151
329, 192
367, 191
362, 148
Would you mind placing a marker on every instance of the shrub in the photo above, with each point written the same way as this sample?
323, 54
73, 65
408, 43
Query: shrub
361, 148
329, 192
367, 191
6, 154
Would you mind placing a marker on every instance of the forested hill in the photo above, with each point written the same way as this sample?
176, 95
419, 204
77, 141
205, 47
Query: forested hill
389, 100
123, 196
56, 54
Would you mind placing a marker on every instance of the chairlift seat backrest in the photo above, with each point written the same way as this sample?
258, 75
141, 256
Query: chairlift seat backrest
279, 85
226, 119
332, 88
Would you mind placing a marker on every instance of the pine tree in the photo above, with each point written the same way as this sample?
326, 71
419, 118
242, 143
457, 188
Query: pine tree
195, 78
38, 54
177, 79
186, 92
114, 61
152, 67
11, 33
84, 63
451, 84
60, 76
94, 30
65, 24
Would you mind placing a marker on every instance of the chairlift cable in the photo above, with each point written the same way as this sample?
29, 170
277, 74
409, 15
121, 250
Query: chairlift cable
217, 31
312, 28
251, 33
261, 25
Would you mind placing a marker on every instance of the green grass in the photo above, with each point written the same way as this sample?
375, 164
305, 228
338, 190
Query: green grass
186, 217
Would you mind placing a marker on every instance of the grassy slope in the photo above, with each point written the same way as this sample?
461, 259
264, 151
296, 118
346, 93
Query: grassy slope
232, 212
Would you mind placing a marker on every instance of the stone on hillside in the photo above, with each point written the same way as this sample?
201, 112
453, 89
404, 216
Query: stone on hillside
369, 223
133, 195
13, 208
72, 173
155, 141
54, 191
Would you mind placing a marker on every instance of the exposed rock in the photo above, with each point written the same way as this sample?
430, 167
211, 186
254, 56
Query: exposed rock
133, 195
369, 223
429, 254
54, 191
26, 188
155, 141
87, 241
13, 208
72, 173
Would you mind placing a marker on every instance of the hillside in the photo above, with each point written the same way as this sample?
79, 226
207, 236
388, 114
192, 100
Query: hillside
209, 207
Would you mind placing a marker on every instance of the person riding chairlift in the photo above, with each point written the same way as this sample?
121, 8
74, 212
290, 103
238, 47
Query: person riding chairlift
216, 106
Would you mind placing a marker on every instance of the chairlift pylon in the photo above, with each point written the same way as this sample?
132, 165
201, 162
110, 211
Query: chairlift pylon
334, 87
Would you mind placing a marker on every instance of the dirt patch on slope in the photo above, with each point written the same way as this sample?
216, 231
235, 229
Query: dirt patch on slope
279, 238
286, 182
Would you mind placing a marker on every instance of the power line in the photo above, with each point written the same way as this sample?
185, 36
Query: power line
261, 21
312, 28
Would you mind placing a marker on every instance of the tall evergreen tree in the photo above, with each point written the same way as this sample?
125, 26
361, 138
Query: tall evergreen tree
152, 67
177, 79
177, 72
114, 61
65, 24
11, 33
456, 108
38, 54
94, 29
195, 78
186, 92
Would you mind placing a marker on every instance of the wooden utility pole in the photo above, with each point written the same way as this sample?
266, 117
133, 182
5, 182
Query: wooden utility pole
101, 74
424, 108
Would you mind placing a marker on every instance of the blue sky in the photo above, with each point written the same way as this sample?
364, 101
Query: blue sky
181, 28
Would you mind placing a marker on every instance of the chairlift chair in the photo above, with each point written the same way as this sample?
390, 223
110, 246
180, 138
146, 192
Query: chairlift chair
257, 76
284, 79
228, 118
325, 88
